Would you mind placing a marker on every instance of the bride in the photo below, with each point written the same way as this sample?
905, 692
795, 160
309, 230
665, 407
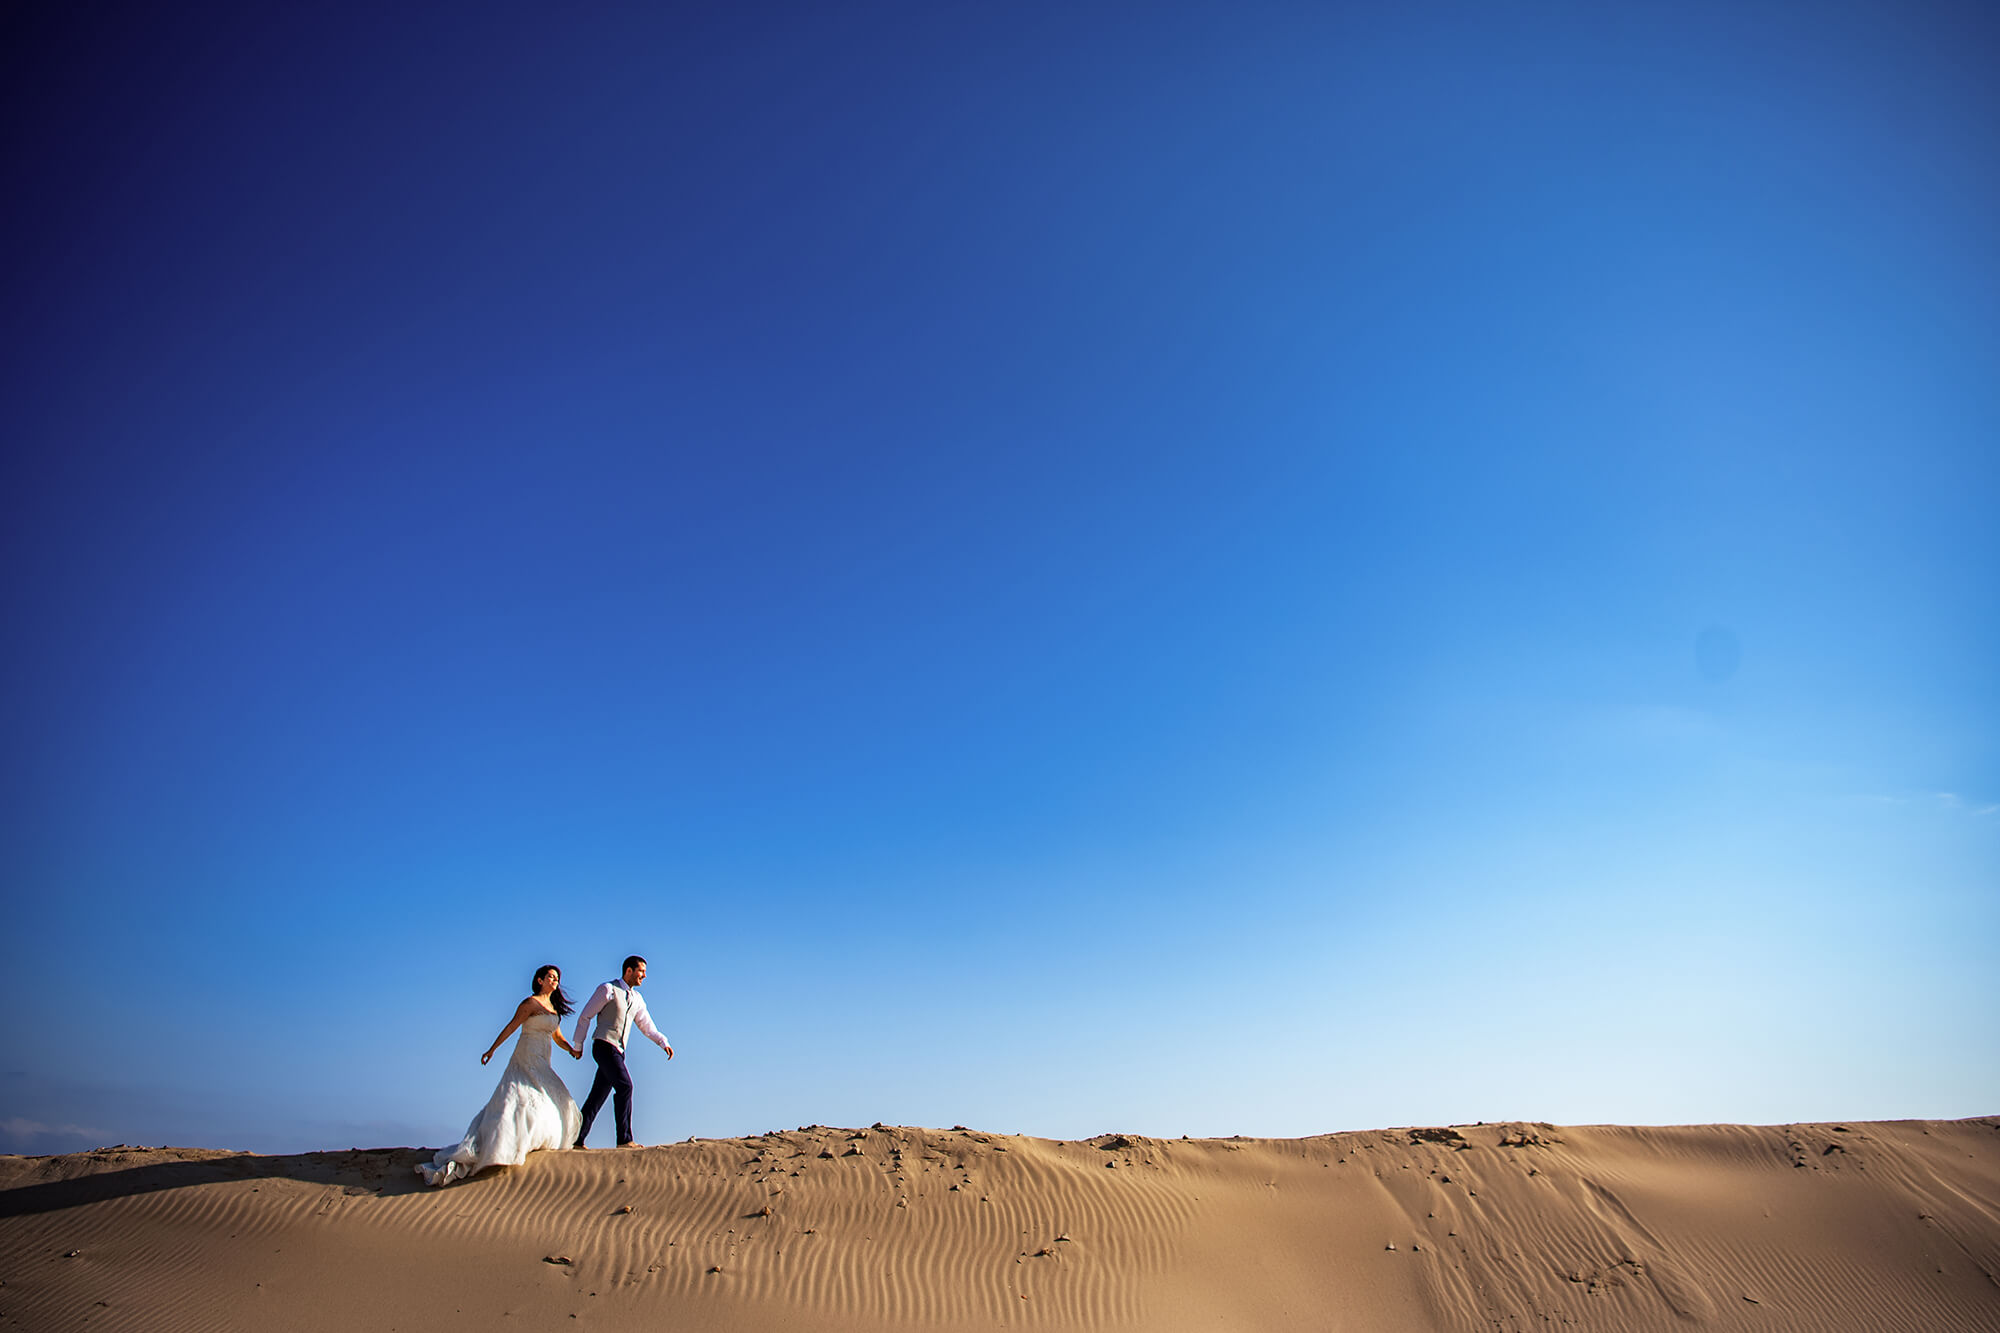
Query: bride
532, 1108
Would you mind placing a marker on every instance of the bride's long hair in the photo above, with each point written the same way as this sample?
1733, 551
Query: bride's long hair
556, 997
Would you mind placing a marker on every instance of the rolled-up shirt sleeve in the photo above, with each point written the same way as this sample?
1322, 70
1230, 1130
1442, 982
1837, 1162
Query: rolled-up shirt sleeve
644, 1021
589, 1011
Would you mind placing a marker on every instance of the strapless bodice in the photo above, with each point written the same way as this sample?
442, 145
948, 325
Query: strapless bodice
537, 1040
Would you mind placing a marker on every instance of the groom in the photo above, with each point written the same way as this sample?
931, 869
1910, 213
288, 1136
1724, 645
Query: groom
617, 1007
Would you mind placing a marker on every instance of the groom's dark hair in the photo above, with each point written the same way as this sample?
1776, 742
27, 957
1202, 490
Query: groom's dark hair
634, 961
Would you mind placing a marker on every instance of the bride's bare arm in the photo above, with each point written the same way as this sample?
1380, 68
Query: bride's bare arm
561, 1040
527, 1009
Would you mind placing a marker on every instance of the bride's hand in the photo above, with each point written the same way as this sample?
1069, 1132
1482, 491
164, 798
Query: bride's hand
484, 1058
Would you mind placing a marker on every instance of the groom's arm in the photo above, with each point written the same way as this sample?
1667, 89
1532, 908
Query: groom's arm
589, 1011
644, 1021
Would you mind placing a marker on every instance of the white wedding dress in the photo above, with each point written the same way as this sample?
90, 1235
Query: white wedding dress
529, 1111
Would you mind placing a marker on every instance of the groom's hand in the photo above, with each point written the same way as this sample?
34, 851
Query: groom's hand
669, 1050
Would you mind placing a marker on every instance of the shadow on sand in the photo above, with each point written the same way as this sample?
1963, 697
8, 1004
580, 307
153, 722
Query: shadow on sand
94, 1177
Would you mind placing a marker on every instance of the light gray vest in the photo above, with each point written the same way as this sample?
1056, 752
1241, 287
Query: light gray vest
614, 1020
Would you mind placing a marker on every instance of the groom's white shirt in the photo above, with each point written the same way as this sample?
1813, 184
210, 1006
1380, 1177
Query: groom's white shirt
625, 1009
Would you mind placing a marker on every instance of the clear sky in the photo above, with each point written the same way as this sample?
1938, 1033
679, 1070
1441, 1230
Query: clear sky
1203, 568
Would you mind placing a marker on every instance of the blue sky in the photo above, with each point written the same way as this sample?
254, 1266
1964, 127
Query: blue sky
1201, 569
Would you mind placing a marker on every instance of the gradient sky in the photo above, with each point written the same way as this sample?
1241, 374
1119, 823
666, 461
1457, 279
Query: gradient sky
1176, 568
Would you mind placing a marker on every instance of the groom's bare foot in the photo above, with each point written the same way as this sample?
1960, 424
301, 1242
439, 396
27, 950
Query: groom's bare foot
579, 1144
631, 1144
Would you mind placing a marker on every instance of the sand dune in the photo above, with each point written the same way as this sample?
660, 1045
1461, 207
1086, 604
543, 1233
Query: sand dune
1502, 1226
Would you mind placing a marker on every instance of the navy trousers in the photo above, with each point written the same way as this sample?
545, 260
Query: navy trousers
613, 1080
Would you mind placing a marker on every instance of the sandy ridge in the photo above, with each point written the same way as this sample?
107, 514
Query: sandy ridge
1506, 1226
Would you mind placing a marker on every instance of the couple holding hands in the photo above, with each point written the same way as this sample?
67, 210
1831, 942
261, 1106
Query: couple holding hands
532, 1109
